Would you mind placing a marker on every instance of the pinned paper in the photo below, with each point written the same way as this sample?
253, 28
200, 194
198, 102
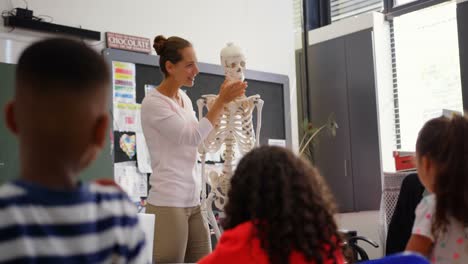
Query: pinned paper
277, 142
127, 117
149, 88
123, 79
143, 156
128, 144
135, 184
124, 147
138, 119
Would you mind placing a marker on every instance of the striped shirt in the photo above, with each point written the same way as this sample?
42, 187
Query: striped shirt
92, 224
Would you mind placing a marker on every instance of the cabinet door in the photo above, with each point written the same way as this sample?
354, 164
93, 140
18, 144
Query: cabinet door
363, 120
328, 94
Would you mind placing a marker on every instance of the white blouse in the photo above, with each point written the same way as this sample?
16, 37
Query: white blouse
173, 134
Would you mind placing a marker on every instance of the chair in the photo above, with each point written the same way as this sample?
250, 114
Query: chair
392, 183
399, 228
402, 258
351, 250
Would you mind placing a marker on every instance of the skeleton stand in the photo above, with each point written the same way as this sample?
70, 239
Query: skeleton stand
235, 128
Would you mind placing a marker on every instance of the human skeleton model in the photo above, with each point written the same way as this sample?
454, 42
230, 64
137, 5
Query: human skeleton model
235, 129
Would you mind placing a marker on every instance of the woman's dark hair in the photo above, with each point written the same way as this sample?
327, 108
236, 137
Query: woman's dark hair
444, 142
288, 202
169, 50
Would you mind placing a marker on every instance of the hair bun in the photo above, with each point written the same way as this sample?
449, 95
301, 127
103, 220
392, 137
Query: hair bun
159, 44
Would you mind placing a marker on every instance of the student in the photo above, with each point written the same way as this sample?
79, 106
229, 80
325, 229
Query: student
60, 117
279, 211
173, 134
440, 230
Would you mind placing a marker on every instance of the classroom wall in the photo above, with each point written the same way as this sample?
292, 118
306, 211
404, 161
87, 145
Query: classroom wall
263, 28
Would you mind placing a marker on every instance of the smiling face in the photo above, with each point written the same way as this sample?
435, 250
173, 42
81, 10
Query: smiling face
184, 71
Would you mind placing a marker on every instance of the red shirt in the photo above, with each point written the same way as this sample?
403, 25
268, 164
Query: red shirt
238, 246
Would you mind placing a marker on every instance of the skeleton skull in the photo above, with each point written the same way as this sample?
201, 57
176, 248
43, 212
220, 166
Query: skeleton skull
233, 61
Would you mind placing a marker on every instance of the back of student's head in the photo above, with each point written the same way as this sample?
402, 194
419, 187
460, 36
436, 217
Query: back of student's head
54, 66
60, 104
287, 200
443, 143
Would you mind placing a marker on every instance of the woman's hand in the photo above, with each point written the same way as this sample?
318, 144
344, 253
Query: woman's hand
231, 90
227, 93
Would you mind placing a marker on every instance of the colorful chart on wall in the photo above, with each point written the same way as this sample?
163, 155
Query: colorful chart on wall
123, 79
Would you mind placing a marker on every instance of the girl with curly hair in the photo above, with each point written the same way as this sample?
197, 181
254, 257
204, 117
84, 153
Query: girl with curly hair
279, 211
440, 230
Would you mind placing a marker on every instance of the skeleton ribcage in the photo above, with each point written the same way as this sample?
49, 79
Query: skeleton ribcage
235, 126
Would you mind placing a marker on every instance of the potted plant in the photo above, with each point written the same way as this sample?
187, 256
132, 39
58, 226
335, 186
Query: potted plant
311, 132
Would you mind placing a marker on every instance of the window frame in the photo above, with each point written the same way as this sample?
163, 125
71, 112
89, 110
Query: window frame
391, 11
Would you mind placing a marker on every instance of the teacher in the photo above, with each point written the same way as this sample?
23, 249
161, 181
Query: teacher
173, 133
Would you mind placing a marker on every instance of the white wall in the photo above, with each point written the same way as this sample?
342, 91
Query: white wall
263, 28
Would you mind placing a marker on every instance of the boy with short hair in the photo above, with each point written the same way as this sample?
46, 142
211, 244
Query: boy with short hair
59, 114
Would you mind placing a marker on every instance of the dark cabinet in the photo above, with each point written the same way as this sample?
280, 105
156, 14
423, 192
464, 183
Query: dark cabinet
342, 81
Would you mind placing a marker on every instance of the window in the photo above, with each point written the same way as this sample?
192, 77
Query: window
341, 9
427, 68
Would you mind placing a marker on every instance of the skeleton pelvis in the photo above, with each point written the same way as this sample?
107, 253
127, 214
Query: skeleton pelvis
219, 183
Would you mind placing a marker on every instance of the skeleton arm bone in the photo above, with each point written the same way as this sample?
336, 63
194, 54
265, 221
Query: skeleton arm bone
259, 105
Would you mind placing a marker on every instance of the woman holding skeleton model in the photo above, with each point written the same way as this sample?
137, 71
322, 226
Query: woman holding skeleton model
173, 133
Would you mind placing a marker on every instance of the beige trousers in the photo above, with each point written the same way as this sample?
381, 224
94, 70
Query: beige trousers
180, 234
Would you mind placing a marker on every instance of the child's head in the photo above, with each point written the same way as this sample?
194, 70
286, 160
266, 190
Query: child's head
442, 161
287, 200
59, 111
